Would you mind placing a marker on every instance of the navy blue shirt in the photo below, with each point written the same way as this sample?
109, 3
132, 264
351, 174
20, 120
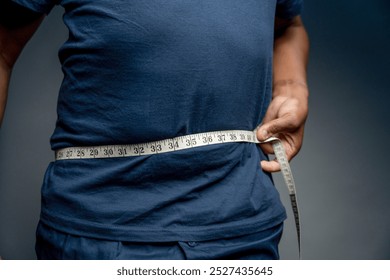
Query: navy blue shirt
137, 71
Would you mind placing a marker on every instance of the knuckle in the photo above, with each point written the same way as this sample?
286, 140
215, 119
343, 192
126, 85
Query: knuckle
273, 127
295, 121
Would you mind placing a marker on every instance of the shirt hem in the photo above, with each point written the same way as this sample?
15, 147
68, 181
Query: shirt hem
149, 234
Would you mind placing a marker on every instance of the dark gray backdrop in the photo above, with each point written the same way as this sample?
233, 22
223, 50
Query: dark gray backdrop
341, 171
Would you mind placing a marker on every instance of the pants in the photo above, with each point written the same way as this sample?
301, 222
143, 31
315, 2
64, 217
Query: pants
52, 244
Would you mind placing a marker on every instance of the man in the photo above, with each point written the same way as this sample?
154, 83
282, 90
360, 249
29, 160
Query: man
143, 71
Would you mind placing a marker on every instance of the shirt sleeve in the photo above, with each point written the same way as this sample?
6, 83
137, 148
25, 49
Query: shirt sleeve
39, 6
288, 8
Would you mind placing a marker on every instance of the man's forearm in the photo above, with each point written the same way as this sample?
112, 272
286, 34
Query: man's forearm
5, 74
291, 50
287, 112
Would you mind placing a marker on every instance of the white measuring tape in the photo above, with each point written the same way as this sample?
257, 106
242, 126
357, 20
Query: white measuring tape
188, 142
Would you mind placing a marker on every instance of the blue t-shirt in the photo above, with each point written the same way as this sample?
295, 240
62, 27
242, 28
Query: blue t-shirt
137, 71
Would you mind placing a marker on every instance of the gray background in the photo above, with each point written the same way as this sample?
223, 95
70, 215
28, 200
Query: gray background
341, 171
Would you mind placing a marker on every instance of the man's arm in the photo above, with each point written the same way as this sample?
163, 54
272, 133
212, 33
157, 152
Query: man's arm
17, 25
288, 110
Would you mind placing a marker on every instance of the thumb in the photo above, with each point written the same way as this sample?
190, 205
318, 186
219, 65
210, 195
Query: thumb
274, 127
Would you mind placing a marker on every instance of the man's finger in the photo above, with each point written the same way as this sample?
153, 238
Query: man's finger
270, 166
267, 148
271, 114
282, 124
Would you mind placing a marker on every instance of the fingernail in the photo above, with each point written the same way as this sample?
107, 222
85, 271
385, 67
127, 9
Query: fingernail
264, 133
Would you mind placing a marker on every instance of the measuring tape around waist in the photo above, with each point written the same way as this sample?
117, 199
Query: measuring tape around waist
188, 142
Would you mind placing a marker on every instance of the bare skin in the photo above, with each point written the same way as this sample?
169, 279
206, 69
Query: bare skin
287, 113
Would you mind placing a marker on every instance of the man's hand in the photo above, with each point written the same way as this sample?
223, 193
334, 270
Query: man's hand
285, 119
